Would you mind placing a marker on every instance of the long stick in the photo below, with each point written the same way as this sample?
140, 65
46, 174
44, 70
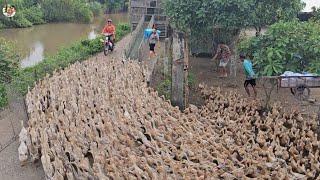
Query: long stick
186, 69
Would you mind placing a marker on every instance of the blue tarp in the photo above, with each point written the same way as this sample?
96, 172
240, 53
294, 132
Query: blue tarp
148, 32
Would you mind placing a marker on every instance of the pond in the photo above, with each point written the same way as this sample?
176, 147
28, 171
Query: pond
38, 41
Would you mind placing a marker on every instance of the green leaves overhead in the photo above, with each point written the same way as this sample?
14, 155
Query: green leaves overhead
278, 50
195, 14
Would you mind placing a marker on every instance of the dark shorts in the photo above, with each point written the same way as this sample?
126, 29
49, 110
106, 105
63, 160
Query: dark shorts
251, 81
152, 47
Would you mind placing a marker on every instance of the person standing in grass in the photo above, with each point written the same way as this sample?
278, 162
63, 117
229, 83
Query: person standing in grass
250, 75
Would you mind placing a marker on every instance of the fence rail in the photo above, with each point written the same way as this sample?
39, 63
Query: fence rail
129, 51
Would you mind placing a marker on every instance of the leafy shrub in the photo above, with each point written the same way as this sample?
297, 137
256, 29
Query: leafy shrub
316, 15
66, 10
122, 29
8, 61
191, 79
17, 21
34, 15
164, 88
277, 50
82, 13
96, 8
8, 67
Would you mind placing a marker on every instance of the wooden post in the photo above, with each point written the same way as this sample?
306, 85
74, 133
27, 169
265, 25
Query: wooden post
186, 71
177, 93
166, 58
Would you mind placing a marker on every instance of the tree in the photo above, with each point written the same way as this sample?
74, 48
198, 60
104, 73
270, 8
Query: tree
278, 50
286, 46
266, 12
115, 5
236, 14
316, 14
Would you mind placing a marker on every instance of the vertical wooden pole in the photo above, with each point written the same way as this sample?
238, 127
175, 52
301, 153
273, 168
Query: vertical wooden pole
177, 93
186, 70
166, 58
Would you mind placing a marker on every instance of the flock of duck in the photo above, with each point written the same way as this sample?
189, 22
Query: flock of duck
99, 120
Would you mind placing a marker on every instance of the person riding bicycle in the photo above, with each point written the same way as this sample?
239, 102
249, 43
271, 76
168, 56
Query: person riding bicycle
110, 30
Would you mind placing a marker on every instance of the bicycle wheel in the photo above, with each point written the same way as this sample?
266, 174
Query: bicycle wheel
301, 92
106, 50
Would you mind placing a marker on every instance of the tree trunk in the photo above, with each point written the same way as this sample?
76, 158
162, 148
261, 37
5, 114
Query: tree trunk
268, 86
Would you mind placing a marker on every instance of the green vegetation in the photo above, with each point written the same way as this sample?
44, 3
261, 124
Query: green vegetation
8, 61
222, 21
112, 6
164, 88
8, 68
34, 15
278, 50
229, 14
66, 10
316, 15
79, 51
96, 8
32, 12
3, 96
286, 46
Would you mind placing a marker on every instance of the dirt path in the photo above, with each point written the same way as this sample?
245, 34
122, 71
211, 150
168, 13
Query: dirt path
10, 126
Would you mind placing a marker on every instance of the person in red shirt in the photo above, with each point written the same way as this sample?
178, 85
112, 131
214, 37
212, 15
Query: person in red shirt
110, 29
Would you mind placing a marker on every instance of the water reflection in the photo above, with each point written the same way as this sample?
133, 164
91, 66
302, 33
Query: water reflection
38, 41
92, 33
35, 56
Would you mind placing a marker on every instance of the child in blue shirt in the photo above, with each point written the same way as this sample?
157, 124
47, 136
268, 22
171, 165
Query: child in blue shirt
250, 75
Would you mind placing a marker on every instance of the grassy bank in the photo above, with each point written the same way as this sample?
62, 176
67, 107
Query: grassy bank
9, 61
31, 12
79, 51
